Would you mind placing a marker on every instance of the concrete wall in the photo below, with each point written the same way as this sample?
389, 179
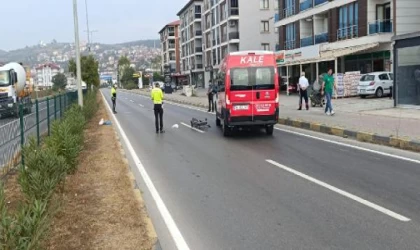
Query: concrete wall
407, 16
250, 17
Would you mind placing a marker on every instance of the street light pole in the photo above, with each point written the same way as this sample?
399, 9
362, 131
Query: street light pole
87, 24
78, 66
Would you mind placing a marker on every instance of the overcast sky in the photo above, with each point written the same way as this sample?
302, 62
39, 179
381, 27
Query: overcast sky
26, 22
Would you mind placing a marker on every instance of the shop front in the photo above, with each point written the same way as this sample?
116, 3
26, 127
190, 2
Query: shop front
368, 62
407, 70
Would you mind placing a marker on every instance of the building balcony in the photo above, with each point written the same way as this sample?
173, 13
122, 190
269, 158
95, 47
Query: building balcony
199, 66
276, 17
380, 26
290, 11
318, 2
233, 35
307, 41
214, 42
171, 46
291, 44
348, 32
171, 34
197, 15
307, 4
321, 38
198, 33
198, 50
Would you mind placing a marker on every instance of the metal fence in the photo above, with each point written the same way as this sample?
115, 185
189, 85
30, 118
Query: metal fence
36, 122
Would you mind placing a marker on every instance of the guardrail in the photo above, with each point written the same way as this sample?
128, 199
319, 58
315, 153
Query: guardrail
15, 130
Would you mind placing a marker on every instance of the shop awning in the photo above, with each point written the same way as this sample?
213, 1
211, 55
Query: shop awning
330, 55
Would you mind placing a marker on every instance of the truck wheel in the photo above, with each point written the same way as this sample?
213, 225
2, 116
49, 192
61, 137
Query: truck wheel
269, 130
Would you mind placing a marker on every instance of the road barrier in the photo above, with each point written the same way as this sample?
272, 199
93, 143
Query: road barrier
35, 122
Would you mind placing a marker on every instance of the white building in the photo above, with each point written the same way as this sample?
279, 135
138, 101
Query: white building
345, 35
191, 42
45, 73
234, 25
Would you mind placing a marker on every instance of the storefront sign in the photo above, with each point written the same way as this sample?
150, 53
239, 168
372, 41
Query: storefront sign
296, 55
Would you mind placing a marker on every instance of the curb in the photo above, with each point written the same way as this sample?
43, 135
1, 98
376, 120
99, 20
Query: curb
390, 141
136, 190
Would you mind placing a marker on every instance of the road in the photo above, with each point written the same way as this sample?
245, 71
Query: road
252, 191
10, 130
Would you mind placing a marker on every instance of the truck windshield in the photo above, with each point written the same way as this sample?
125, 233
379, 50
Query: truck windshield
252, 78
4, 78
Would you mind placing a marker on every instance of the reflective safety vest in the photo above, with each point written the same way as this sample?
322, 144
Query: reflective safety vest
157, 95
113, 92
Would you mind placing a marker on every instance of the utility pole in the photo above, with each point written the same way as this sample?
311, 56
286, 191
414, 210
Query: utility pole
78, 66
87, 25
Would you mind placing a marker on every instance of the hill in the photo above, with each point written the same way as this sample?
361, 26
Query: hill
61, 53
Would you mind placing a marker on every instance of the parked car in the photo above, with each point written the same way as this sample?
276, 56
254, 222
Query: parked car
375, 83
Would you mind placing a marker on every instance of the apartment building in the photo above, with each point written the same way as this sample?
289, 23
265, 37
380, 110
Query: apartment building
233, 25
170, 52
346, 35
45, 73
191, 42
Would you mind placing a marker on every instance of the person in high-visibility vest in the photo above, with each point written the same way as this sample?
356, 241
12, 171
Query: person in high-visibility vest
114, 97
157, 98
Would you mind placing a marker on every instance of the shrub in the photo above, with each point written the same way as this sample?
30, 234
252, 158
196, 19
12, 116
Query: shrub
131, 85
90, 105
44, 169
76, 119
64, 143
25, 229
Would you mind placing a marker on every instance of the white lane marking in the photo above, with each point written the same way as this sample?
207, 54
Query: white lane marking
141, 105
131, 101
196, 129
342, 192
350, 146
179, 240
317, 138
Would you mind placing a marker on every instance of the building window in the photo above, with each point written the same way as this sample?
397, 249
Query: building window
264, 4
265, 46
348, 20
265, 26
290, 36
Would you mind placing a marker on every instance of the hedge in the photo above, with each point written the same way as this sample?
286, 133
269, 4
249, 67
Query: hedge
46, 167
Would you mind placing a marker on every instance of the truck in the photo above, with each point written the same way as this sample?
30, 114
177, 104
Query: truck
14, 90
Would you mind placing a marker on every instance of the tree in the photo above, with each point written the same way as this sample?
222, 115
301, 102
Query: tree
158, 77
60, 81
127, 76
90, 67
123, 64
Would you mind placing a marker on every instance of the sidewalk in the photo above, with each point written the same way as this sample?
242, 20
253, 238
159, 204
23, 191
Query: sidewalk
371, 119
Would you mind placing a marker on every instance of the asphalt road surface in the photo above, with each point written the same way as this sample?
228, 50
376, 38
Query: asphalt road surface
253, 191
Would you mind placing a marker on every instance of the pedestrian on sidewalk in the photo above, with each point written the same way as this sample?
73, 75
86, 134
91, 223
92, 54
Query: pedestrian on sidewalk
157, 98
303, 90
210, 94
114, 97
328, 86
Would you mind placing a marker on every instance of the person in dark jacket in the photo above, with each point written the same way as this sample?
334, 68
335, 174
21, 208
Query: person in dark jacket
211, 91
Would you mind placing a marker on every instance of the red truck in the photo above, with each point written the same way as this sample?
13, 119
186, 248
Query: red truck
248, 91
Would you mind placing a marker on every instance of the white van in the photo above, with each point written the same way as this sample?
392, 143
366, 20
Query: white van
375, 83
